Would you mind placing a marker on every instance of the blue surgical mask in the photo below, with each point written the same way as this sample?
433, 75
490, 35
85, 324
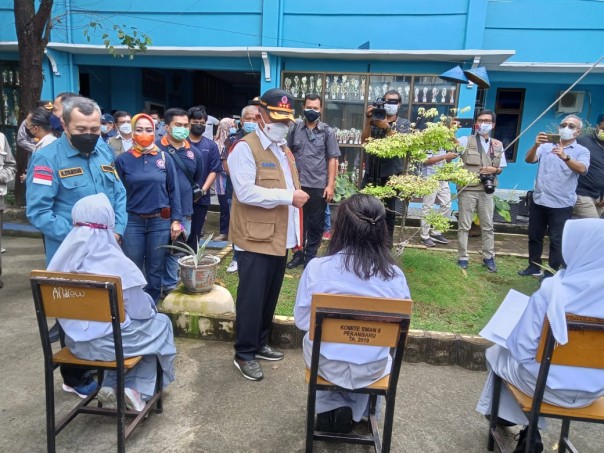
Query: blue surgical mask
103, 128
249, 127
232, 130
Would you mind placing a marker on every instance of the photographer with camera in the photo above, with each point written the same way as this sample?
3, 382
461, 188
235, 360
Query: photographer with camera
483, 155
561, 160
383, 120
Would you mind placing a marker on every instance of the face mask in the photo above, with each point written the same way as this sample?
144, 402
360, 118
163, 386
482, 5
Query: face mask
197, 129
84, 143
232, 130
276, 132
155, 123
249, 127
179, 132
484, 128
126, 128
391, 109
29, 133
566, 133
311, 115
55, 123
600, 135
144, 140
104, 128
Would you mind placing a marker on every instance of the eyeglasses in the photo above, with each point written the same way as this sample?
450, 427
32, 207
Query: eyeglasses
391, 101
569, 125
484, 121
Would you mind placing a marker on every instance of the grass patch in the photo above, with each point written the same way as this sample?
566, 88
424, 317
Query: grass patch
445, 297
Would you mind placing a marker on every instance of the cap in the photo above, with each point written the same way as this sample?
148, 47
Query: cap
107, 118
279, 104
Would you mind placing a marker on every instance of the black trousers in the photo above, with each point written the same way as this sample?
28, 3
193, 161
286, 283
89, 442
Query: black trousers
314, 221
260, 279
389, 202
552, 220
73, 376
197, 220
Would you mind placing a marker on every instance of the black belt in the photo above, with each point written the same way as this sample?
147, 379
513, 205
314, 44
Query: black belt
147, 216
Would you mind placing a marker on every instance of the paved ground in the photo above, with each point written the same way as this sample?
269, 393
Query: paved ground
211, 408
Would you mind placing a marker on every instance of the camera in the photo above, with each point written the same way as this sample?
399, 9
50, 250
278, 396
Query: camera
197, 193
378, 112
487, 181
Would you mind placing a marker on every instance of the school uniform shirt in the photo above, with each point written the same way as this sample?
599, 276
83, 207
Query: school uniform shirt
151, 183
211, 164
192, 160
59, 175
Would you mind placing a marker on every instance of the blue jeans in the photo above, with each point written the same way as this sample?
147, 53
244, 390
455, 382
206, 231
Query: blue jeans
170, 276
327, 226
142, 239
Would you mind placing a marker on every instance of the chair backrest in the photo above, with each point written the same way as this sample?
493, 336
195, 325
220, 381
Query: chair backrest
359, 320
70, 295
585, 343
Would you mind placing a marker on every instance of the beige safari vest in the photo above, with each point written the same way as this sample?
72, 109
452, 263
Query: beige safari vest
475, 158
257, 229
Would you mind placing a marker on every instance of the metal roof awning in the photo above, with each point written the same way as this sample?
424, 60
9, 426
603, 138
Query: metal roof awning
521, 66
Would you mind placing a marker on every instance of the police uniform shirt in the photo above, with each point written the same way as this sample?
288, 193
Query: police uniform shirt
192, 160
211, 163
58, 176
150, 181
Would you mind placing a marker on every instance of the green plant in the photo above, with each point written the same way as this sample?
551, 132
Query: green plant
196, 255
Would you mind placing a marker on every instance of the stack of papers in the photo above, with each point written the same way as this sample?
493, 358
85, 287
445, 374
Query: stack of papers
505, 318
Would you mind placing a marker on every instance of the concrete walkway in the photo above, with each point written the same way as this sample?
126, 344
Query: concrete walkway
212, 408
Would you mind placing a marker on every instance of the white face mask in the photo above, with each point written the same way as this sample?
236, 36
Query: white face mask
126, 128
566, 133
484, 128
391, 109
276, 132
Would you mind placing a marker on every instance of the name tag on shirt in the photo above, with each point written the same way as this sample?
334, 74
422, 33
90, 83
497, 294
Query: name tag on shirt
69, 172
268, 164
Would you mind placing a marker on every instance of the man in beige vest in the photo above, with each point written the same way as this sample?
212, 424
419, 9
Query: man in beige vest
266, 200
483, 155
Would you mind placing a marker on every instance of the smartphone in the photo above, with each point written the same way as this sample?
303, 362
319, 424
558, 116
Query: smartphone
553, 138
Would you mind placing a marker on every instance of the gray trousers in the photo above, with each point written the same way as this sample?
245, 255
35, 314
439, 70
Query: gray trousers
470, 201
587, 208
442, 196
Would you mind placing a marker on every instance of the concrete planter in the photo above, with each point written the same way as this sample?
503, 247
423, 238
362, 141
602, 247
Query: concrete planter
198, 279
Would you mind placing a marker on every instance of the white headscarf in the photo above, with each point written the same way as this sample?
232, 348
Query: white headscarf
579, 288
90, 247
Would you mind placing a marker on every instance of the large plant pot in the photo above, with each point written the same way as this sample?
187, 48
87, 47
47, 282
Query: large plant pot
198, 279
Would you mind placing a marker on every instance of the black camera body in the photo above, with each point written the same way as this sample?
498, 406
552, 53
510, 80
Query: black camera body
488, 183
378, 112
197, 192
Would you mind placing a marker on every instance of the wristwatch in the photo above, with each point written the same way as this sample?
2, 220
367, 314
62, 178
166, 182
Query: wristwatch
567, 158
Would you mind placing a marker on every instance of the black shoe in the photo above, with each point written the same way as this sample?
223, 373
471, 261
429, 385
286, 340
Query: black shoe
268, 353
531, 272
490, 264
428, 242
439, 238
297, 260
522, 441
545, 275
336, 421
53, 333
462, 263
501, 421
249, 368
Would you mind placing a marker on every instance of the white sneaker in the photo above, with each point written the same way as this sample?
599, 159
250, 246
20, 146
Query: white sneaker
232, 267
107, 397
134, 400
3, 251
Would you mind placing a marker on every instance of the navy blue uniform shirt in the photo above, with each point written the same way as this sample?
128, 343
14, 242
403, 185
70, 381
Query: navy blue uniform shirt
211, 163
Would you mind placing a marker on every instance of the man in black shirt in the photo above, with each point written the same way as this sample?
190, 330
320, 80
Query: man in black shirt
377, 171
590, 189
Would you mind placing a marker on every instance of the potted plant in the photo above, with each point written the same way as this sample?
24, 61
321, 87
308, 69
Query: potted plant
197, 268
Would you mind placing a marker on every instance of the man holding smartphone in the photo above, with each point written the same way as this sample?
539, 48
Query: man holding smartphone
560, 165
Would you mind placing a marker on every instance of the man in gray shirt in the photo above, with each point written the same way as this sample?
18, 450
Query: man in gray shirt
560, 165
316, 151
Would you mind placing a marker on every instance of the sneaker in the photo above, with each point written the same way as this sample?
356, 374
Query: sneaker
545, 275
531, 272
439, 238
297, 260
220, 238
134, 400
268, 353
490, 264
327, 236
107, 397
522, 441
3, 251
249, 368
462, 263
428, 242
81, 390
232, 267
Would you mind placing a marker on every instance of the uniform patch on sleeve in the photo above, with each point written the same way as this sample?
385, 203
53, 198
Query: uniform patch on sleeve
69, 172
190, 155
42, 168
42, 178
160, 163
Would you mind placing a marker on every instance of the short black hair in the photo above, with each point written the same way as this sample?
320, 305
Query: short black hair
65, 95
120, 114
172, 112
398, 95
40, 117
488, 112
198, 113
600, 118
313, 97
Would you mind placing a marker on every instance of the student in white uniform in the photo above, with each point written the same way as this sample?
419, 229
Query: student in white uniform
91, 248
578, 289
358, 262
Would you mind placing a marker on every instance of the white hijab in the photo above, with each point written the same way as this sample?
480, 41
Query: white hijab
579, 288
90, 247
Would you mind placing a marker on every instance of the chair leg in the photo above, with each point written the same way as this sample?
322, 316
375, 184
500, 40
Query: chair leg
121, 415
563, 435
50, 409
159, 385
388, 422
494, 411
310, 417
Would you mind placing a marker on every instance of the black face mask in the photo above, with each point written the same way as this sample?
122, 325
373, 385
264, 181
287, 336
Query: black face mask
197, 129
311, 115
29, 132
84, 143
